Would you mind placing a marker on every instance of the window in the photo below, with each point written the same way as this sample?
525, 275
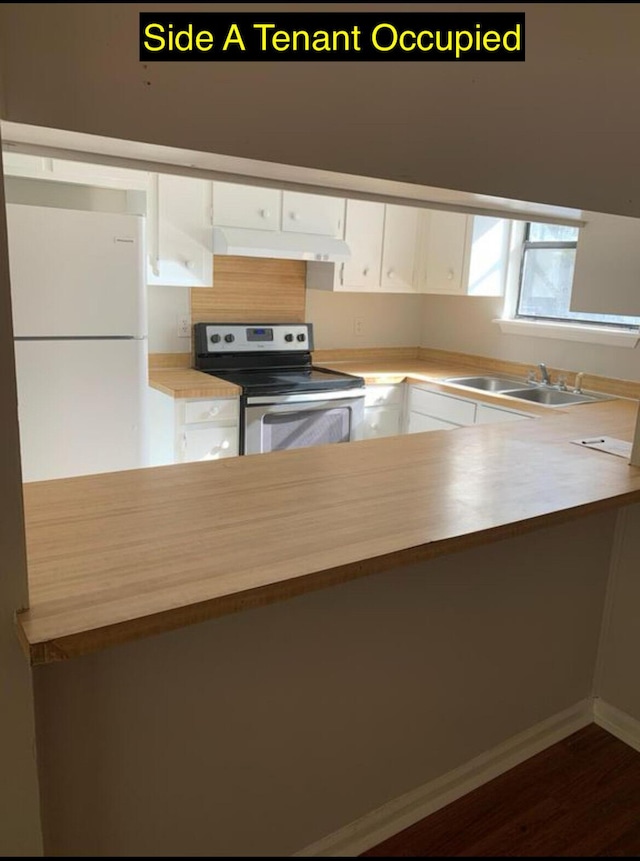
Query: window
546, 278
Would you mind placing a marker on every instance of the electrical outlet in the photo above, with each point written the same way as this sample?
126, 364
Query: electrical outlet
358, 326
184, 326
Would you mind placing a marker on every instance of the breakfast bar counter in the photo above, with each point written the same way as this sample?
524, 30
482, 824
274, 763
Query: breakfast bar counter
120, 556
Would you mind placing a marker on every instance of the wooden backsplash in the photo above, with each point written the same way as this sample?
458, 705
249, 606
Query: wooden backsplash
252, 290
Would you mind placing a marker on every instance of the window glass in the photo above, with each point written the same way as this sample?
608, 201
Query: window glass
546, 278
552, 233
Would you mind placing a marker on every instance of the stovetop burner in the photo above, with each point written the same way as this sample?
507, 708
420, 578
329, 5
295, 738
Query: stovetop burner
278, 382
265, 359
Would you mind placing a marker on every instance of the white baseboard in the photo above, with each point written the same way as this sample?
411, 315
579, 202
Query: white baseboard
618, 723
374, 827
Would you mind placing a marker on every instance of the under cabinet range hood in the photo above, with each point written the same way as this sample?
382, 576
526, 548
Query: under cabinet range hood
244, 242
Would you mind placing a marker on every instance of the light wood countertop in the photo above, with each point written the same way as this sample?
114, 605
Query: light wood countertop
188, 383
119, 556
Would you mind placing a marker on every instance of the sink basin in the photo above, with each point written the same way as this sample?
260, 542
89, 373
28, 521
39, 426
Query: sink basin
552, 397
487, 384
537, 394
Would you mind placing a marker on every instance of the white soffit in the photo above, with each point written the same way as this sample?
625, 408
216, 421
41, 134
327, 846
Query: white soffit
77, 146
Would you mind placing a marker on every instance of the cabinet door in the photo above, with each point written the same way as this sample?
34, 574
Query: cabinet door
382, 395
364, 227
489, 415
381, 422
419, 423
179, 231
488, 255
23, 164
246, 206
446, 252
209, 443
449, 409
105, 175
399, 248
312, 213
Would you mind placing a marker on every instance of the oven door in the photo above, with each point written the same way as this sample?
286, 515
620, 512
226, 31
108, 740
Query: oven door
277, 422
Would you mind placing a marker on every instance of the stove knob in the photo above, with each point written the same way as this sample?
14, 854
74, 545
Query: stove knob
288, 337
302, 337
215, 339
229, 338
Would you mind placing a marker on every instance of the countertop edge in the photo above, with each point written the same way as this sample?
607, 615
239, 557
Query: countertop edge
97, 639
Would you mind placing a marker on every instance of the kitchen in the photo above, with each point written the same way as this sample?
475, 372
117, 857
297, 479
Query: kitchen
256, 635
393, 357
383, 267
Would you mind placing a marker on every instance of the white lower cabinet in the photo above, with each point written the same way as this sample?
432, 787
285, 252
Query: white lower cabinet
185, 430
419, 423
488, 415
430, 410
453, 411
383, 410
208, 442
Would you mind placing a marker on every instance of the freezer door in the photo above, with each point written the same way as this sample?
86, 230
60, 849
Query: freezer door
76, 273
81, 407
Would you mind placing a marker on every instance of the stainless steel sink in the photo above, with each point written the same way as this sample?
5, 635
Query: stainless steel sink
548, 396
553, 397
487, 384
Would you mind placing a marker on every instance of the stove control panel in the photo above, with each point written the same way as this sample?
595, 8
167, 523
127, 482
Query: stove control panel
244, 338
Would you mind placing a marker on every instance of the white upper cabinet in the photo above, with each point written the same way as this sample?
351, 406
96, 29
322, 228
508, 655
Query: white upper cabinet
179, 231
84, 173
364, 228
464, 254
488, 255
246, 206
400, 248
606, 278
445, 252
312, 213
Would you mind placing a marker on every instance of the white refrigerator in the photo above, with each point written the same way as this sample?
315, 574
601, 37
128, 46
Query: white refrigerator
79, 320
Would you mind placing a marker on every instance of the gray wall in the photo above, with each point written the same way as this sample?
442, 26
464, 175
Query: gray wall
559, 128
259, 733
617, 679
19, 804
465, 324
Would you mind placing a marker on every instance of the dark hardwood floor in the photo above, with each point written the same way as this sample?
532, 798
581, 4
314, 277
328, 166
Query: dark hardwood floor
580, 797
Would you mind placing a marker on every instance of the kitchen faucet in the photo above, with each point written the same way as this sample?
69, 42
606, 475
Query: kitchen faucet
546, 380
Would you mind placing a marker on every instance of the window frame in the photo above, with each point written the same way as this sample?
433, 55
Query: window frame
528, 244
535, 327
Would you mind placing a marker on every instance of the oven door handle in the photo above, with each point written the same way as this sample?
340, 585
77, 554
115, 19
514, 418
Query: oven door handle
309, 397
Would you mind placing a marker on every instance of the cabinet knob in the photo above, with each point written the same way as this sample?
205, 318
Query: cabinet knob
264, 213
391, 274
450, 274
224, 444
294, 216
365, 271
214, 411
190, 265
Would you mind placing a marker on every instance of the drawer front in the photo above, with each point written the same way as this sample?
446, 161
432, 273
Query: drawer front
442, 406
209, 443
488, 415
211, 410
380, 422
381, 395
419, 423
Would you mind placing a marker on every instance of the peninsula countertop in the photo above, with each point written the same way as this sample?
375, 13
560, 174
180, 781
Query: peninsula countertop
123, 555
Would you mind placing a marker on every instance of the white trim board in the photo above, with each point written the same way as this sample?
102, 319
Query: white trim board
568, 332
390, 818
618, 723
